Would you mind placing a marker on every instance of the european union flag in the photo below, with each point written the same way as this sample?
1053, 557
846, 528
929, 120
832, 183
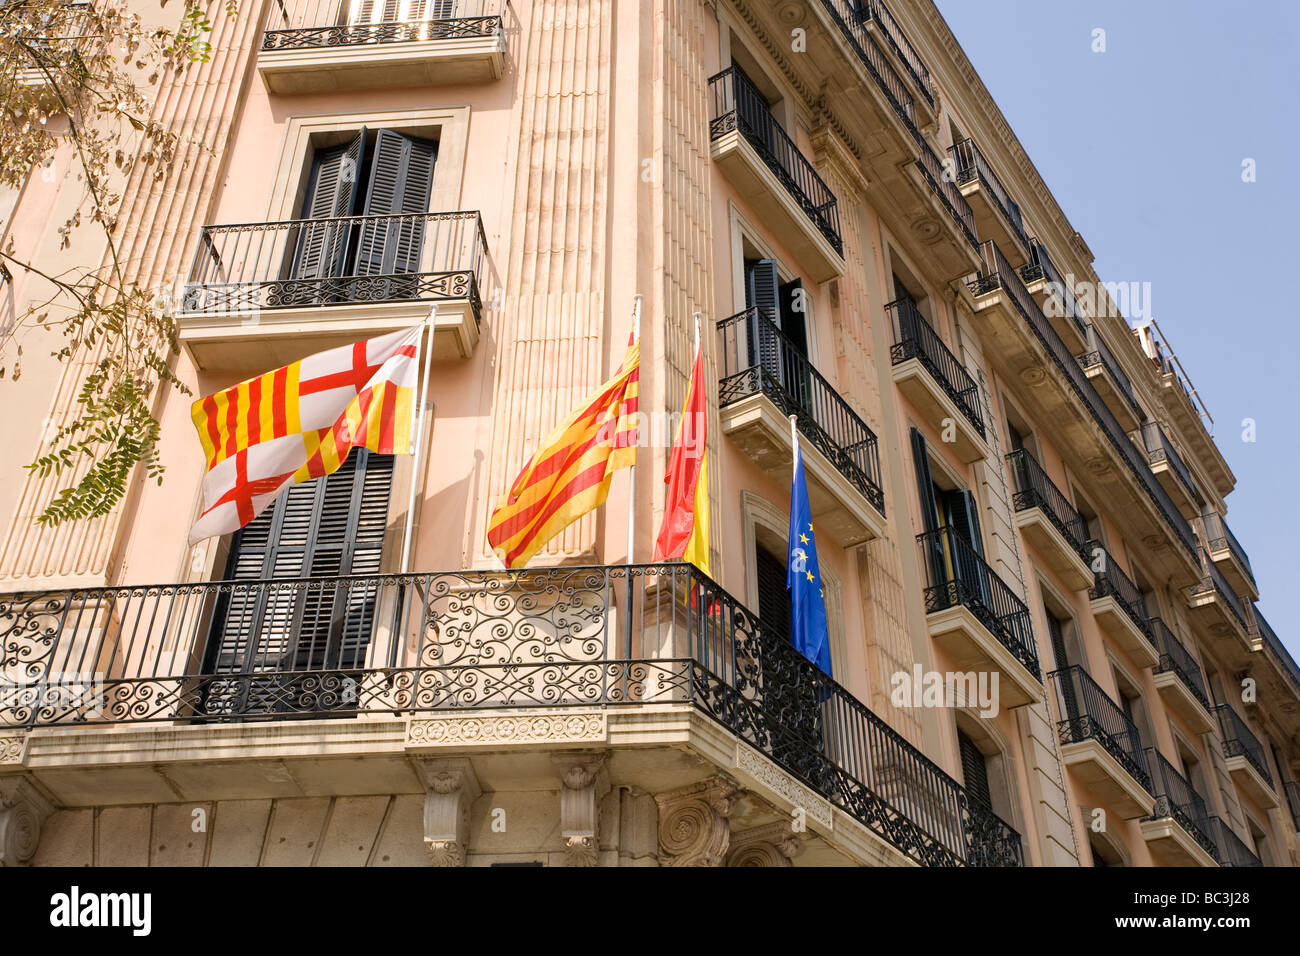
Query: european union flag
803, 579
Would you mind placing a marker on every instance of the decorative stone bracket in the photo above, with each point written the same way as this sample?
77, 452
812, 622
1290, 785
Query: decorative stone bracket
694, 824
775, 844
452, 788
23, 809
584, 781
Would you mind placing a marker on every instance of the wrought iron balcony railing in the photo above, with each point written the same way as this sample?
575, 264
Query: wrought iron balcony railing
1160, 448
1176, 798
947, 192
894, 35
997, 273
972, 166
1264, 632
846, 17
915, 338
309, 263
1293, 802
1219, 537
1040, 266
1239, 741
956, 575
757, 358
1099, 353
1232, 849
1087, 713
1111, 581
1035, 490
738, 105
397, 644
313, 24
1212, 579
1177, 659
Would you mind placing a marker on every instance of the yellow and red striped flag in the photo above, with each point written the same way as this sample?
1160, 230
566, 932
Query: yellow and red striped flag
299, 422
570, 472
684, 533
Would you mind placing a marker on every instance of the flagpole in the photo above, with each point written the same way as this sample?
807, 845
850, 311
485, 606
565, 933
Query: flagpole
426, 345
631, 472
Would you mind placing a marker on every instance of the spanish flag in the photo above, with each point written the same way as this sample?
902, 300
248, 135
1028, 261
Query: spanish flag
570, 473
685, 530
299, 422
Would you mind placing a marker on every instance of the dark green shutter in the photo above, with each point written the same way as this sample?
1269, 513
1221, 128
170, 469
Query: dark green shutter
401, 179
974, 771
763, 292
331, 193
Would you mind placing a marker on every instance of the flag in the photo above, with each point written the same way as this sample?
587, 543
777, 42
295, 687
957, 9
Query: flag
570, 472
808, 631
299, 422
684, 533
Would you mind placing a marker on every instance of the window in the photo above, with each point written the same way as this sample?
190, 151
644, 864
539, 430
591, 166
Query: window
320, 529
975, 771
1134, 707
950, 515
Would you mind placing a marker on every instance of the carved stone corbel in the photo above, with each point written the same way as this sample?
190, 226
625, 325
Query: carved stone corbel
451, 789
775, 844
23, 810
694, 824
584, 781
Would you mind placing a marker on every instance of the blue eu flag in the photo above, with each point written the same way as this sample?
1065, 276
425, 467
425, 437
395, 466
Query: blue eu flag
803, 578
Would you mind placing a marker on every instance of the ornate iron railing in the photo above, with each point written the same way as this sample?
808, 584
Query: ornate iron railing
1111, 581
1040, 266
1232, 849
1160, 448
1239, 741
1176, 798
1263, 632
1086, 713
1035, 490
553, 637
915, 338
738, 105
971, 166
947, 192
1212, 579
1219, 537
1099, 353
1177, 659
1293, 802
956, 575
876, 10
309, 263
996, 273
313, 24
891, 85
757, 358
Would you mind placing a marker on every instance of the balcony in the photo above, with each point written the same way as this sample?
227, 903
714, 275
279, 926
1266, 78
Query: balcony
1180, 681
315, 46
1232, 849
55, 40
943, 220
1170, 470
1178, 832
407, 656
1216, 607
1228, 555
880, 23
768, 169
935, 381
1100, 745
979, 622
1030, 353
1055, 296
1121, 611
1049, 522
996, 214
1114, 387
1245, 758
765, 379
1282, 677
268, 293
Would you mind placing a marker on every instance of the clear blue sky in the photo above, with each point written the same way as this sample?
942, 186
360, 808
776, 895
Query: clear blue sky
1142, 146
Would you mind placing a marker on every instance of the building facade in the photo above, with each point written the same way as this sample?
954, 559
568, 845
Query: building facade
1045, 647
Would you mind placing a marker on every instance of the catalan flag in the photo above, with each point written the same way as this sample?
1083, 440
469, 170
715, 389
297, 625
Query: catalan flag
570, 472
300, 422
684, 533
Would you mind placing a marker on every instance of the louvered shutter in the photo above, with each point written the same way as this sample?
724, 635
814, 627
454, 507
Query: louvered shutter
773, 596
401, 178
1069, 698
936, 567
763, 292
963, 518
322, 246
974, 771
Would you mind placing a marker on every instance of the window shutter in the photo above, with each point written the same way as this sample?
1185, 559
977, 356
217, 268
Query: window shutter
763, 292
401, 178
963, 516
924, 483
975, 771
773, 596
796, 374
331, 194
